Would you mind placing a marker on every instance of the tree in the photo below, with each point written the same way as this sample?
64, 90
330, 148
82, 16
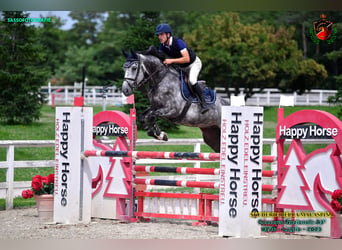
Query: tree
21, 73
251, 55
292, 181
75, 59
141, 34
84, 31
102, 57
337, 98
52, 40
110, 42
303, 22
82, 50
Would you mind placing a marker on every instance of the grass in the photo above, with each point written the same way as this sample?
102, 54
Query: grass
44, 130
18, 202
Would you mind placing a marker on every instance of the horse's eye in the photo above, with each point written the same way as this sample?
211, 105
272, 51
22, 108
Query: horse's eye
134, 67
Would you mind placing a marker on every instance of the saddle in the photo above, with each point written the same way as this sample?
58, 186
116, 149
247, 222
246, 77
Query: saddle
188, 93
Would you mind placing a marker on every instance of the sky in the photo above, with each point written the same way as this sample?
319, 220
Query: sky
62, 14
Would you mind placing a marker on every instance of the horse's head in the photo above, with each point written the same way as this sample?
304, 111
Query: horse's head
142, 67
134, 75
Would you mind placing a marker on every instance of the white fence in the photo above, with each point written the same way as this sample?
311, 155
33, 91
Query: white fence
93, 95
271, 97
11, 189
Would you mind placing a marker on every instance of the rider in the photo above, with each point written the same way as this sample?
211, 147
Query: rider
181, 54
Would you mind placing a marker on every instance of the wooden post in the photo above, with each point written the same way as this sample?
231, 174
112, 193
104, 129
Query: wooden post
10, 177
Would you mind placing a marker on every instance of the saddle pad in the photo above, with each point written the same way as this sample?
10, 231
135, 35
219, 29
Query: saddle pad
209, 94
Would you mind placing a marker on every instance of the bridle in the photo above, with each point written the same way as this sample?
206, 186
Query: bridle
130, 81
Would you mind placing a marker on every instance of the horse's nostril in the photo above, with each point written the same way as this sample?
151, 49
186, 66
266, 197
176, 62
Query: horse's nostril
126, 91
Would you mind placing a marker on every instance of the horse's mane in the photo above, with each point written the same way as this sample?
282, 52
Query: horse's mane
153, 51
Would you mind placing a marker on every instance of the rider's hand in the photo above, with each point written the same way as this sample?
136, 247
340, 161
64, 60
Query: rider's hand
168, 61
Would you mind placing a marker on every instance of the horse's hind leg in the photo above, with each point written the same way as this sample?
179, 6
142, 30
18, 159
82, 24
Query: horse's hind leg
212, 137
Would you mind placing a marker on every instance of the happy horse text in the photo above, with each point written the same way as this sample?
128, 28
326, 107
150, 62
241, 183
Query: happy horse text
304, 132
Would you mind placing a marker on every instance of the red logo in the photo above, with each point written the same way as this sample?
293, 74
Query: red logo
323, 31
323, 28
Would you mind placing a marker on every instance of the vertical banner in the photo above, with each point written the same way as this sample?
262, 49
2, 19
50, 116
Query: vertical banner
240, 171
72, 195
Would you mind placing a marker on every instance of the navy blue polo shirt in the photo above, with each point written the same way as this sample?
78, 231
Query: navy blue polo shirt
174, 50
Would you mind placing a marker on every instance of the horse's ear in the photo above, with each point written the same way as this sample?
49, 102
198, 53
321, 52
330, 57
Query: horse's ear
124, 52
134, 55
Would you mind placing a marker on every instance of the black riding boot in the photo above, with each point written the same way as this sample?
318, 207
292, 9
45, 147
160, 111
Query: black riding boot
200, 95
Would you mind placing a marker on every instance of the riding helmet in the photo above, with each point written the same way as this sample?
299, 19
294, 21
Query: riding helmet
163, 27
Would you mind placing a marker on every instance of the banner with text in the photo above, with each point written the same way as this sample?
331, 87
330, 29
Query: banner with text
72, 195
240, 170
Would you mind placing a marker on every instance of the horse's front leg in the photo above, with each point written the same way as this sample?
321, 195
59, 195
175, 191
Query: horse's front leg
164, 112
153, 129
143, 118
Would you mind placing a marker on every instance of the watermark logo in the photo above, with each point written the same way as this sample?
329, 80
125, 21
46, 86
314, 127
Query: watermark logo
323, 30
29, 20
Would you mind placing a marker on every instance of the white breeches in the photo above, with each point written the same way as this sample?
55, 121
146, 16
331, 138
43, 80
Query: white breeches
194, 70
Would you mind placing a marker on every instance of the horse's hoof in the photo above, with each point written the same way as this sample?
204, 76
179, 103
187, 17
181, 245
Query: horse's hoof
163, 136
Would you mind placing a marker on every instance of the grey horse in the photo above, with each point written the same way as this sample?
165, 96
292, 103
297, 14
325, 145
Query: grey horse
166, 100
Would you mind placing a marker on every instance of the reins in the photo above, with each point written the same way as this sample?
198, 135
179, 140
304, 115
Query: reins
149, 77
144, 80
